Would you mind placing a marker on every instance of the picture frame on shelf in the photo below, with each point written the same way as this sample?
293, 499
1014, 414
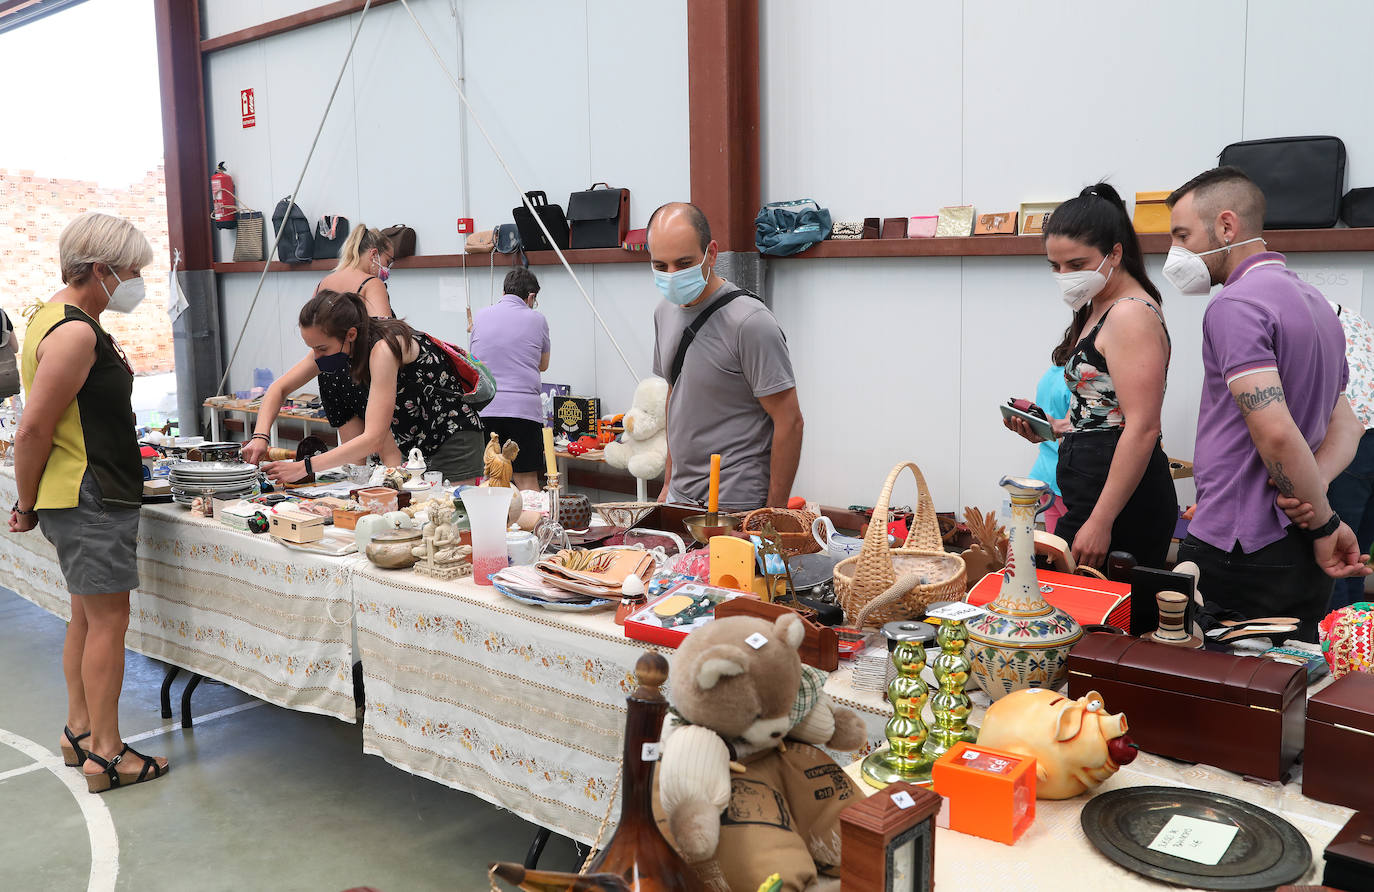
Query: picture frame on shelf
1034, 215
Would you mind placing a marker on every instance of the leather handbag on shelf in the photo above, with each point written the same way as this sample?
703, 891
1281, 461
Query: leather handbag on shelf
1303, 178
249, 246
847, 230
330, 234
296, 244
873, 227
402, 240
636, 240
508, 239
783, 228
598, 218
531, 236
894, 227
483, 242
1357, 208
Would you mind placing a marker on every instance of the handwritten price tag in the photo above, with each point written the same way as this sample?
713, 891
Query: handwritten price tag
1195, 839
956, 612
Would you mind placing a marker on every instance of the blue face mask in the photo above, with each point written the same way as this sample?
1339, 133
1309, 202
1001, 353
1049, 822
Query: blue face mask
334, 362
683, 286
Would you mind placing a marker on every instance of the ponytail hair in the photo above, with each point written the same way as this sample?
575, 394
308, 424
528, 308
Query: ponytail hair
335, 312
360, 241
1098, 217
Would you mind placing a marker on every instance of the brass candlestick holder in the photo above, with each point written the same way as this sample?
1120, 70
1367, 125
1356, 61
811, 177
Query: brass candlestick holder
951, 706
552, 536
903, 759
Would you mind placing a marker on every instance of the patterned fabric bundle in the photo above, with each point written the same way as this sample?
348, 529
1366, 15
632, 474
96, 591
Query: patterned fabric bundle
1347, 637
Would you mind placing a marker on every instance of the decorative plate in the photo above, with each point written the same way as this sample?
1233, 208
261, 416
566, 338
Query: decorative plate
568, 607
1266, 851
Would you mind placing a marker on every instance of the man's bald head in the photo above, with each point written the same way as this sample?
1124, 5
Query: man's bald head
676, 214
1225, 189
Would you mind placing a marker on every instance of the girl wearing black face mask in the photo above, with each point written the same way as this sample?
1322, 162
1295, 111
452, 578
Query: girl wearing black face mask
414, 397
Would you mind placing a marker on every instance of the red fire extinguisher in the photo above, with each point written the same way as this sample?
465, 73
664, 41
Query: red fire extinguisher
225, 212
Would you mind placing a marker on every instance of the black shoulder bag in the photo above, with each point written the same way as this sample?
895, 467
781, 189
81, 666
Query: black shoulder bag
690, 334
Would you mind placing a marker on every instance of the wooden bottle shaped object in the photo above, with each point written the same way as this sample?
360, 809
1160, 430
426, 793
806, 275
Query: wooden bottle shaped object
637, 852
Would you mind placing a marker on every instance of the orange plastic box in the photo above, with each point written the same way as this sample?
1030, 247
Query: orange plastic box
991, 793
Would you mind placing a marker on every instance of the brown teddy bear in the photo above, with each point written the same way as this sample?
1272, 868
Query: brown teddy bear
740, 803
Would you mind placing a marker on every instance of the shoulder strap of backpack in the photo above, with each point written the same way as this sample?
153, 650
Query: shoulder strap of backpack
690, 334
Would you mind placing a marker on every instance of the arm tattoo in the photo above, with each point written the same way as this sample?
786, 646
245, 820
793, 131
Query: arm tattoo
1281, 480
1254, 400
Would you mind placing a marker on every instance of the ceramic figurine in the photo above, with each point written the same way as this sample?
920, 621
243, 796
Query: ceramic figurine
1076, 744
440, 553
496, 462
1022, 641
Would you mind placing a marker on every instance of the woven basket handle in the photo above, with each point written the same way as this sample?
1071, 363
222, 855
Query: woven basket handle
894, 593
875, 560
1085, 570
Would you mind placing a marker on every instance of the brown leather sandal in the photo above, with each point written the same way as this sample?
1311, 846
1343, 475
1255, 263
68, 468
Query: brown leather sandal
111, 778
72, 754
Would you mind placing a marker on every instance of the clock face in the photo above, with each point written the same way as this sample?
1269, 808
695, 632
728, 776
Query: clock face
909, 867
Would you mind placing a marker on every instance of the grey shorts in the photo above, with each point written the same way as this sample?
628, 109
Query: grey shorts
460, 458
97, 546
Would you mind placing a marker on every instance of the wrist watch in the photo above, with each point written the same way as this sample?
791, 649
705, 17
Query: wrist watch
309, 471
1314, 533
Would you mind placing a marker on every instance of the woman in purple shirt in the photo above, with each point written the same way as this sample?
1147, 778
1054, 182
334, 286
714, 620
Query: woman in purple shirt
512, 338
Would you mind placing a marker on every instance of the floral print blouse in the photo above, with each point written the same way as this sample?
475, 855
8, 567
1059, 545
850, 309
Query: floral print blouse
429, 404
1359, 356
1093, 405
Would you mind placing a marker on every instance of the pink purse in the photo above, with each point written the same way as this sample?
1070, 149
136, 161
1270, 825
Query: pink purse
921, 227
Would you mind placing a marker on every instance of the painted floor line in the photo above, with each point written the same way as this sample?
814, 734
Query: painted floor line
99, 825
27, 769
175, 724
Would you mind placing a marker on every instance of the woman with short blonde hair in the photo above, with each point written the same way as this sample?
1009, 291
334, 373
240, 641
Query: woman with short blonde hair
80, 477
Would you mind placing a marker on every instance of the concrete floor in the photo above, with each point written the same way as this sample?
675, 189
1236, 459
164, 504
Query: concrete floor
258, 798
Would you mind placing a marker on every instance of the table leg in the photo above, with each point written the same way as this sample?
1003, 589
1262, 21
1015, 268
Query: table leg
541, 839
167, 690
196, 679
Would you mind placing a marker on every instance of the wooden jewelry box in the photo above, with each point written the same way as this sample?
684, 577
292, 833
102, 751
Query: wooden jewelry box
1340, 740
1243, 714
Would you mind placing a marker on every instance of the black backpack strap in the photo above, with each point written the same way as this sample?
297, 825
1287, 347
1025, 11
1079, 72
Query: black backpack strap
690, 334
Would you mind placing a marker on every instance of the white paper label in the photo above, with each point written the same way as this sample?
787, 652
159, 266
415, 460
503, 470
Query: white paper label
902, 799
956, 612
453, 295
972, 754
1194, 839
756, 640
1344, 287
650, 751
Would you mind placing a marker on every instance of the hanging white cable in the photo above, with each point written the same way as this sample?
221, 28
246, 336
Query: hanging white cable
291, 199
521, 190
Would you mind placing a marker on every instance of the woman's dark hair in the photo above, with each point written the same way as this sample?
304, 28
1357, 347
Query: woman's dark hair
335, 312
1097, 217
520, 282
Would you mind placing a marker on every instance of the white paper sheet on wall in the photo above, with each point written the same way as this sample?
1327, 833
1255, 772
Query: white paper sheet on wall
453, 294
1340, 286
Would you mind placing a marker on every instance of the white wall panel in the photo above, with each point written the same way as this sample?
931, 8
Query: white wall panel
219, 17
1302, 78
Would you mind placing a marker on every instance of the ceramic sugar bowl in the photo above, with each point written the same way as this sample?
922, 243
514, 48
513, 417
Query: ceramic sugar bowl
1022, 641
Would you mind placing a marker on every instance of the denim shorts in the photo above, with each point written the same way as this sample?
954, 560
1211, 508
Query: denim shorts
97, 546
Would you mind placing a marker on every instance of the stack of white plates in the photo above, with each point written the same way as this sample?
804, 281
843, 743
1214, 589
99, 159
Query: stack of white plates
227, 480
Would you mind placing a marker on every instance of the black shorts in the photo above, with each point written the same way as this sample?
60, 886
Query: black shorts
528, 435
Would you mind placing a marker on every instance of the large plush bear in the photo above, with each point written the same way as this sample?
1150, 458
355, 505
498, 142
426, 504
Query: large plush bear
643, 451
743, 785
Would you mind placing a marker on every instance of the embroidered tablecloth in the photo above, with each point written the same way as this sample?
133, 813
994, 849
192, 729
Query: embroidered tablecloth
229, 605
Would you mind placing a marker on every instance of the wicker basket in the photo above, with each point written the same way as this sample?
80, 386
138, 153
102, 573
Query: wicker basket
793, 528
875, 569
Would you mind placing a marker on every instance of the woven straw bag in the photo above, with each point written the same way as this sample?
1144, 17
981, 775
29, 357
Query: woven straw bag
875, 569
793, 528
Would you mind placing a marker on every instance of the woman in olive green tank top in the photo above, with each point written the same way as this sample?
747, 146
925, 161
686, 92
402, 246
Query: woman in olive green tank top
79, 476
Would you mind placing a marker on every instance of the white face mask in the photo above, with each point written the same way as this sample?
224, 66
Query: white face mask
1188, 272
1082, 286
127, 294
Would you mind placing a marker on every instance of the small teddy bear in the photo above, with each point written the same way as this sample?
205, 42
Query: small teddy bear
644, 448
740, 803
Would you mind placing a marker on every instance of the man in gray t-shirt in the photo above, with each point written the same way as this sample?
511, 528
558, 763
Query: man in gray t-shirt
736, 394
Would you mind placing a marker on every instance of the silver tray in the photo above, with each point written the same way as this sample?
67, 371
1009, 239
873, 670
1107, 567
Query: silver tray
1267, 851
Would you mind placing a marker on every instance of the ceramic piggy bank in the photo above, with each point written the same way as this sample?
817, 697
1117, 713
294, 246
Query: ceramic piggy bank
1076, 744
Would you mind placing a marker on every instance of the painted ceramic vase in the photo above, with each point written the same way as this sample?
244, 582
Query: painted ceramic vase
1021, 641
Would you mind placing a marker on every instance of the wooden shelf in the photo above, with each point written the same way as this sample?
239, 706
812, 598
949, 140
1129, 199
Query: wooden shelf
451, 261
1283, 240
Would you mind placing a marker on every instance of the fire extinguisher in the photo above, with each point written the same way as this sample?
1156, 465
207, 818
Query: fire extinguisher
225, 211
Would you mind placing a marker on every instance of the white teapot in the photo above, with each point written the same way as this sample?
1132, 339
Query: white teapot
836, 546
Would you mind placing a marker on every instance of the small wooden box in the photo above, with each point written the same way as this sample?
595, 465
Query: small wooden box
1350, 856
1243, 714
347, 519
1034, 214
991, 793
888, 841
297, 526
1151, 213
1340, 741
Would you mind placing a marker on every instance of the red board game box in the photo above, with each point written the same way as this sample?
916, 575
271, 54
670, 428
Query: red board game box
1089, 600
667, 619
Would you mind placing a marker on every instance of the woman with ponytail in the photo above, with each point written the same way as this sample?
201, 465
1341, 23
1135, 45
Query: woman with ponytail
414, 396
364, 267
1118, 492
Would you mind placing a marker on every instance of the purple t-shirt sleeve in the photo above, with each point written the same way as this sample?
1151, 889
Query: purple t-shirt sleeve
763, 356
547, 344
1241, 337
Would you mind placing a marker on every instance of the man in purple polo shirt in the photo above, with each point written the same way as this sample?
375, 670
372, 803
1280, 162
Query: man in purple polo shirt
512, 338
1274, 427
